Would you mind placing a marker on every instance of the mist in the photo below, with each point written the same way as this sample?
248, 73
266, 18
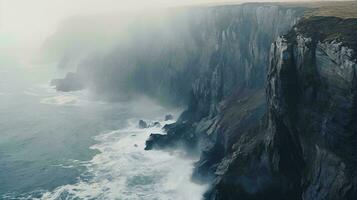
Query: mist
26, 25
174, 99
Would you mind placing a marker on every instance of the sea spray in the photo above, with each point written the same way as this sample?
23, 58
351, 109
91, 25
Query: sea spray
124, 170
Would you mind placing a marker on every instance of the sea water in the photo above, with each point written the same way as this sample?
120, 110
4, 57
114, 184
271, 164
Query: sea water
56, 145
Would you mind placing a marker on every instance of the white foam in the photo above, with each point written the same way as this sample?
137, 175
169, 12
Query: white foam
48, 95
60, 100
124, 170
52, 97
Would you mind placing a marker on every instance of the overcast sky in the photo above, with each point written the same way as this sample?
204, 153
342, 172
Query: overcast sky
40, 16
34, 20
22, 15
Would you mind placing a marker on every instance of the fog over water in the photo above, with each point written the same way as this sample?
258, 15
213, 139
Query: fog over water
68, 145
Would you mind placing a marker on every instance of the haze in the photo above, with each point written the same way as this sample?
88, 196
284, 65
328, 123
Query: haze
24, 25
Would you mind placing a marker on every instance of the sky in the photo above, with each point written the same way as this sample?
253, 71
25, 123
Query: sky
25, 24
23, 17
30, 22
41, 16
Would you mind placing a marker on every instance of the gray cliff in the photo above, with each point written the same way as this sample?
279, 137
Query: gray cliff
301, 143
304, 147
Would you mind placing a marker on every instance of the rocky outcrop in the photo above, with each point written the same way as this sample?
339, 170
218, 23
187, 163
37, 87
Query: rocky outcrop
186, 140
142, 124
70, 83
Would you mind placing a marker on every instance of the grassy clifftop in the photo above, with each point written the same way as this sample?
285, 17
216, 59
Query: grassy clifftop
341, 9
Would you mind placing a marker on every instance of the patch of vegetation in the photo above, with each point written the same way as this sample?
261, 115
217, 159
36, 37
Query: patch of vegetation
345, 9
341, 9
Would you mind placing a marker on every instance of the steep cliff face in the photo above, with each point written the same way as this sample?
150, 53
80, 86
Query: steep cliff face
312, 94
164, 56
305, 146
242, 41
240, 38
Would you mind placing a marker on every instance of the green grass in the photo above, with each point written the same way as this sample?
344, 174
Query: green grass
340, 9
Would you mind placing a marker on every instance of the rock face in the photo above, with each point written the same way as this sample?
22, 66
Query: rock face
236, 42
312, 96
305, 147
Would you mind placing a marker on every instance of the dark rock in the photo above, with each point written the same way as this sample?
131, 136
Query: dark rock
177, 135
142, 124
70, 83
302, 147
155, 141
169, 117
305, 145
236, 68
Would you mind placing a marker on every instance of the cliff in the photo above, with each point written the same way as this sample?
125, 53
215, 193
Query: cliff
165, 55
236, 64
301, 143
304, 147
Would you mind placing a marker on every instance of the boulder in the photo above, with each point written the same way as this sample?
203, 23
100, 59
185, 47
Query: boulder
156, 141
143, 124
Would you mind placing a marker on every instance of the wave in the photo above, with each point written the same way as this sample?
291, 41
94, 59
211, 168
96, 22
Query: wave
50, 96
124, 170
61, 100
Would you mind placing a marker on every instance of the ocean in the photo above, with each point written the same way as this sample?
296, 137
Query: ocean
56, 145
